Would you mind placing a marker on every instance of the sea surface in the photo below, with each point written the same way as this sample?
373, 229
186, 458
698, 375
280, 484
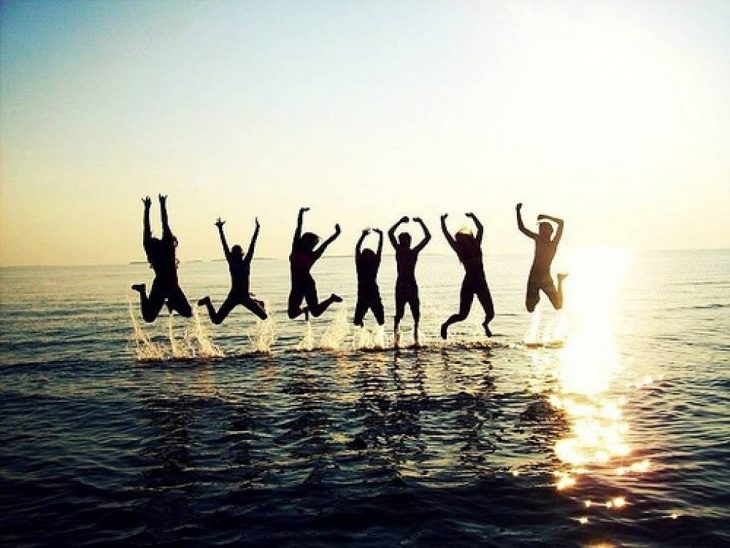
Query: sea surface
608, 423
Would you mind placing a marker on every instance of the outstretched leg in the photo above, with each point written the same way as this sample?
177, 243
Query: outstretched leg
465, 299
415, 306
532, 297
400, 310
360, 309
151, 305
485, 299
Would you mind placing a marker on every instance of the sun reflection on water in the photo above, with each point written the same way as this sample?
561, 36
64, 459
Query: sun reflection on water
587, 368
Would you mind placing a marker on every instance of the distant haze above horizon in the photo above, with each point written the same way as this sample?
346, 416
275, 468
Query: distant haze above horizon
614, 116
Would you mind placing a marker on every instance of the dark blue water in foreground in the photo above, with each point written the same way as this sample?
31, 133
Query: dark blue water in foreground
620, 435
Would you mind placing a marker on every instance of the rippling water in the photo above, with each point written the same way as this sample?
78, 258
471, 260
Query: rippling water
615, 431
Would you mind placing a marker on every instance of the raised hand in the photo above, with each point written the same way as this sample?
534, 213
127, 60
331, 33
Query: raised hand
219, 223
258, 225
418, 220
518, 206
404, 219
147, 201
303, 209
541, 217
470, 214
338, 230
162, 197
443, 217
365, 231
378, 231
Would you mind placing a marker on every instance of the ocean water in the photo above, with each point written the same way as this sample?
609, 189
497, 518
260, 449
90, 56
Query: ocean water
611, 426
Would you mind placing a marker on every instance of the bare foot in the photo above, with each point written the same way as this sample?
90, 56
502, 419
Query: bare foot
139, 287
203, 301
487, 331
444, 331
336, 298
561, 277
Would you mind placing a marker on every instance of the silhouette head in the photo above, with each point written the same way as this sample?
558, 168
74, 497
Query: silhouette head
545, 230
466, 243
308, 241
368, 258
157, 250
404, 239
237, 252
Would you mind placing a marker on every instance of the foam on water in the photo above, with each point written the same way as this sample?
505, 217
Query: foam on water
306, 344
203, 346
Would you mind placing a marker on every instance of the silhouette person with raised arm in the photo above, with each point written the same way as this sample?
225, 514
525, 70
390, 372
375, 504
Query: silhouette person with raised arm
469, 250
540, 277
239, 265
161, 256
367, 263
302, 258
406, 288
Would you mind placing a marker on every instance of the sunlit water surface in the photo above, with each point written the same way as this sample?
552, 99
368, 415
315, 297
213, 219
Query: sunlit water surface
609, 426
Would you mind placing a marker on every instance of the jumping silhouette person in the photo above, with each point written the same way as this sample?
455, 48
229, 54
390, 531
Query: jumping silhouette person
540, 278
406, 288
367, 263
469, 250
161, 256
239, 266
302, 258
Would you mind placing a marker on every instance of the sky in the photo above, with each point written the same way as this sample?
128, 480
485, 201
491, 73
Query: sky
612, 115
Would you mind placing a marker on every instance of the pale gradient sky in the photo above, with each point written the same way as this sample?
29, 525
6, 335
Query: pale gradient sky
613, 115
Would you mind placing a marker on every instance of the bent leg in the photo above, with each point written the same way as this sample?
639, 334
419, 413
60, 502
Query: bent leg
294, 305
256, 307
225, 309
415, 305
318, 308
151, 305
466, 297
532, 297
556, 295
177, 301
485, 299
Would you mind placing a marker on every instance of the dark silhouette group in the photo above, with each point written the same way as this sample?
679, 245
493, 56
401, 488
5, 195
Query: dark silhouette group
306, 250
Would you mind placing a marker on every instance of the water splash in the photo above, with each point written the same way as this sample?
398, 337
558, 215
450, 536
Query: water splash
179, 351
369, 339
201, 344
144, 348
307, 342
336, 332
531, 337
262, 338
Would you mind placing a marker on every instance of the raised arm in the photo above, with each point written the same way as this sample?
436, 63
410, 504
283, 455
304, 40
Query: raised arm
426, 235
521, 225
391, 232
479, 225
556, 220
219, 223
252, 245
358, 247
298, 231
323, 247
379, 252
449, 237
147, 231
166, 232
